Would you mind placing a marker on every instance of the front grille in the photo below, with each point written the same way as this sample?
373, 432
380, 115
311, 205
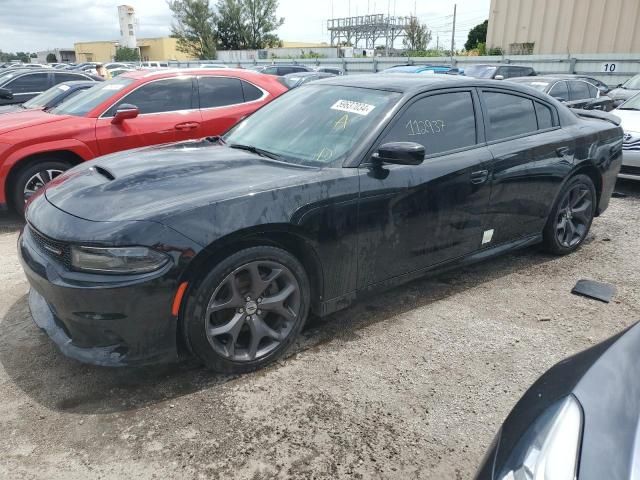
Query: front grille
629, 170
60, 251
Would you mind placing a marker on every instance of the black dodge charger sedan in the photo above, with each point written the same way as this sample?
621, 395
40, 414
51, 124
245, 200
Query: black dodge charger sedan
223, 247
578, 420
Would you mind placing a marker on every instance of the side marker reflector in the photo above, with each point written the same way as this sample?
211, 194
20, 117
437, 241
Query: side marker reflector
177, 300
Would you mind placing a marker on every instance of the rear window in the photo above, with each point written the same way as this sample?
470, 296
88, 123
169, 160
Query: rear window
509, 115
580, 90
219, 91
251, 92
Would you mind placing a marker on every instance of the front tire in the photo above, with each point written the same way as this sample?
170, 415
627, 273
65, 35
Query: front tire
571, 216
248, 310
33, 177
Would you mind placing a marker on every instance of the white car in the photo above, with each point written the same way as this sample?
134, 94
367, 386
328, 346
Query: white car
213, 65
629, 114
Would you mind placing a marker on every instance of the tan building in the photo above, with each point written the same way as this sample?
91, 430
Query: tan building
162, 48
564, 26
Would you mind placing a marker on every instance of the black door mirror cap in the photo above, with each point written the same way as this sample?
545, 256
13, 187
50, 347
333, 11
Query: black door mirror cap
6, 94
400, 153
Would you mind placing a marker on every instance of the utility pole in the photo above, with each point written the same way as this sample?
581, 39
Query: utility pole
453, 33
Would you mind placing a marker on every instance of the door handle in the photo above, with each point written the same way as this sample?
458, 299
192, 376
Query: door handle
187, 126
479, 177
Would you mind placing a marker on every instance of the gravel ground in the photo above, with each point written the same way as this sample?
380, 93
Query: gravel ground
411, 384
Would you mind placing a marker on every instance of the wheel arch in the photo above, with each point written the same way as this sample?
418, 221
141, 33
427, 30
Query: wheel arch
24, 159
589, 169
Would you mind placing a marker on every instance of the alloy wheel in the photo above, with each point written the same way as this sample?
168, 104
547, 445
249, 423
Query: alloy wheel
38, 180
574, 216
253, 310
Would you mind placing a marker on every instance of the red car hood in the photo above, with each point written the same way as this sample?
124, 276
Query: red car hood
28, 118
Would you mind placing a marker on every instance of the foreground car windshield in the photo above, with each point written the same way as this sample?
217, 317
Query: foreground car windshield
315, 125
45, 97
90, 99
479, 71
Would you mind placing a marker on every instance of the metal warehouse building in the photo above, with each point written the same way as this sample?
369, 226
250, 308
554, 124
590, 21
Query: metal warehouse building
564, 26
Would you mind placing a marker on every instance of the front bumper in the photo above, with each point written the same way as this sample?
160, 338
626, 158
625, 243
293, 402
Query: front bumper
117, 322
630, 165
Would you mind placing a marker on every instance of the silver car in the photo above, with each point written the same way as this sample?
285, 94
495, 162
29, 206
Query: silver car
625, 91
629, 114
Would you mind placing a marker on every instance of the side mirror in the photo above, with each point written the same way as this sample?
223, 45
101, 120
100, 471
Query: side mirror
124, 112
619, 85
6, 94
499, 77
400, 153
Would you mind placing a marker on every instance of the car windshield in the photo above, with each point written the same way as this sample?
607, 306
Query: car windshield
537, 84
322, 123
90, 99
632, 83
632, 104
480, 71
41, 100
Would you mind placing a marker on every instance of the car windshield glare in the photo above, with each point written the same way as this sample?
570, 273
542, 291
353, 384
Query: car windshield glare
45, 97
633, 83
316, 125
479, 71
86, 101
632, 104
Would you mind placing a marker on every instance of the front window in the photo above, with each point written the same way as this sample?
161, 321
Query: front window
480, 71
316, 125
90, 99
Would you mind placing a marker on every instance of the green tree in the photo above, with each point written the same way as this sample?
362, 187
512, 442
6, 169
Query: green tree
477, 34
51, 58
418, 36
232, 31
126, 54
261, 23
195, 27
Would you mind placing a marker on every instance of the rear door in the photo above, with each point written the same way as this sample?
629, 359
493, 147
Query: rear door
168, 113
26, 86
415, 216
224, 101
531, 156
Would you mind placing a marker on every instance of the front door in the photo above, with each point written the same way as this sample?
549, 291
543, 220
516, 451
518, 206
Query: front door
413, 217
168, 113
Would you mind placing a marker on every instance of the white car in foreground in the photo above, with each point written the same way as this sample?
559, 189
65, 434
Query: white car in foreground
629, 113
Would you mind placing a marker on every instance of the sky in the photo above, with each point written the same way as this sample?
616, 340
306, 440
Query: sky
33, 25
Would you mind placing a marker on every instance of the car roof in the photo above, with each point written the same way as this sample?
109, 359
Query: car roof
175, 72
546, 78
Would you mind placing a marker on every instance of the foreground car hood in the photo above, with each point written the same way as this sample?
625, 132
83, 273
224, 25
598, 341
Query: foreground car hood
150, 182
28, 118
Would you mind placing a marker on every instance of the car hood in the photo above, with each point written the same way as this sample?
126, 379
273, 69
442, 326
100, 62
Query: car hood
621, 94
28, 118
151, 183
630, 119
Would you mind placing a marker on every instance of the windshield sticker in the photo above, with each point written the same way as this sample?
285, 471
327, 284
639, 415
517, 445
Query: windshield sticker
324, 155
113, 86
342, 122
353, 107
64, 88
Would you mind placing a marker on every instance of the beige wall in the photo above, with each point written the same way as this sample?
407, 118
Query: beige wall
162, 48
566, 26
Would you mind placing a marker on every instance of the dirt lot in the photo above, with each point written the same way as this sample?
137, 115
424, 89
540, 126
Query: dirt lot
412, 384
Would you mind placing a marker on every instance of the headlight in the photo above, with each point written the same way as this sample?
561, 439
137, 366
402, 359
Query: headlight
549, 449
117, 260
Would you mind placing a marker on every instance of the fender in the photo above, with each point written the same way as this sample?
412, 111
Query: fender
70, 145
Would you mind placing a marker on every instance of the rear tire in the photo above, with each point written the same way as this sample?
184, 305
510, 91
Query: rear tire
32, 177
248, 310
571, 216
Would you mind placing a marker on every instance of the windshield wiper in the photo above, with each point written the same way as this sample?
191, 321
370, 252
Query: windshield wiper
629, 108
256, 150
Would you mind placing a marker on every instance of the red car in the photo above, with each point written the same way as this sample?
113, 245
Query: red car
135, 109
